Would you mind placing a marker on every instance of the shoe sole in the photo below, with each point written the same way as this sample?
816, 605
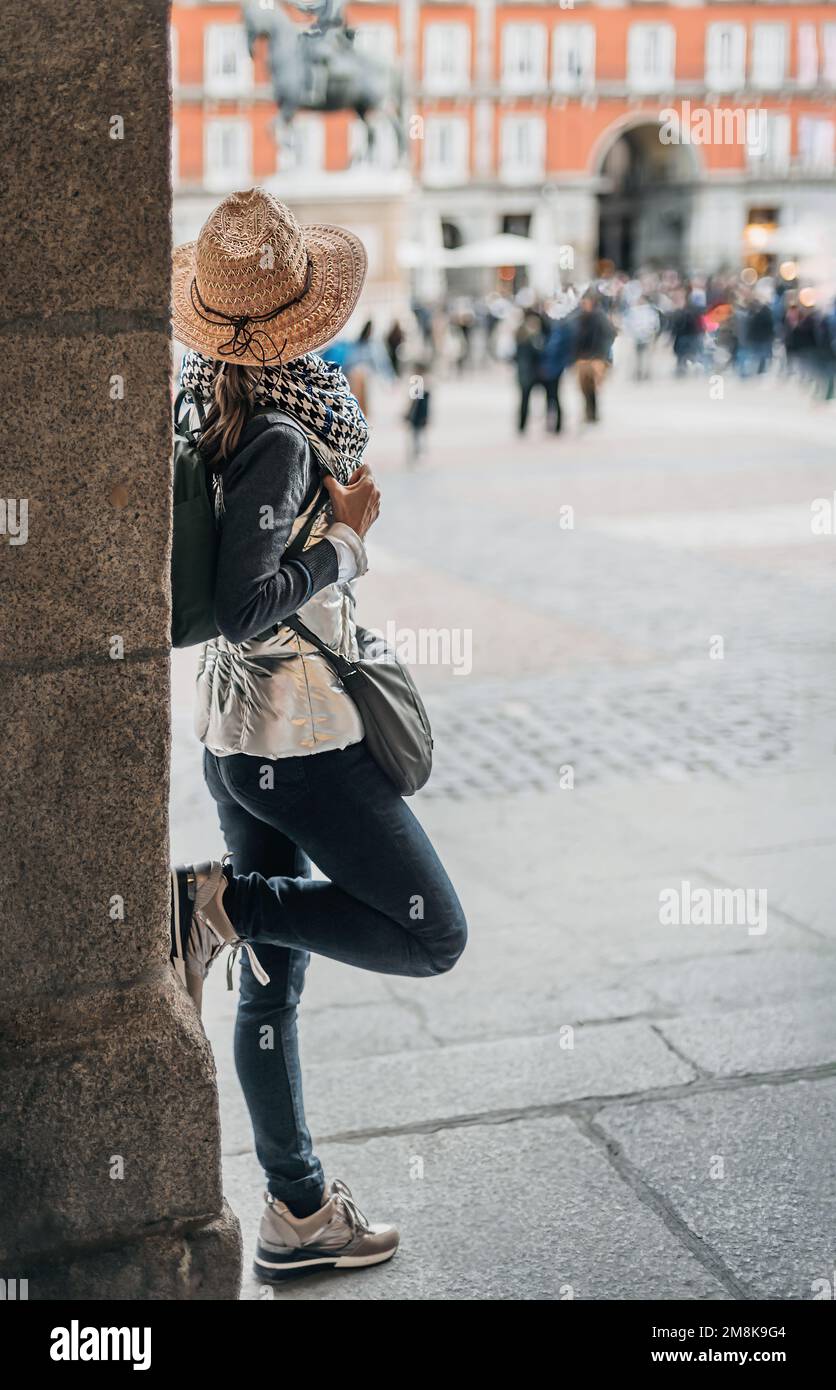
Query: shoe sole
272, 1271
181, 911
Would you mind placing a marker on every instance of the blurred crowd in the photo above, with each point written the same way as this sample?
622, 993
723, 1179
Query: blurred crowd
651, 323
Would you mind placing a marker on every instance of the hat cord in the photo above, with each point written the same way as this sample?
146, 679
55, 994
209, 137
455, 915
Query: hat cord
246, 338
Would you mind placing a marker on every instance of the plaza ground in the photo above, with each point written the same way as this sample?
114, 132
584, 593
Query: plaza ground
593, 1104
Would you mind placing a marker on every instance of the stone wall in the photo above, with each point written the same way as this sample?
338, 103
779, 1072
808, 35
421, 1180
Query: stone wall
109, 1148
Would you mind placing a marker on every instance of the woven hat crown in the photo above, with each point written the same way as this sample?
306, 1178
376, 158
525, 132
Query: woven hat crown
250, 256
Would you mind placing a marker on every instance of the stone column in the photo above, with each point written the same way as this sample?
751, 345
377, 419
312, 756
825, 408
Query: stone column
109, 1145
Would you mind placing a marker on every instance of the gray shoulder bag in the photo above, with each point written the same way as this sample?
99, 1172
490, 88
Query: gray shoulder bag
397, 729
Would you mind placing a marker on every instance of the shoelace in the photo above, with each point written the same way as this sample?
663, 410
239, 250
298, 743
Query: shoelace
356, 1218
257, 969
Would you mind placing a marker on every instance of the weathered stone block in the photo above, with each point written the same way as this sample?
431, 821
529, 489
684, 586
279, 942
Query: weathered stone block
115, 1094
95, 473
93, 232
181, 1264
85, 800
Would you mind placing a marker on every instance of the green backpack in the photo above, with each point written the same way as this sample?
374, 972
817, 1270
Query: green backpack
194, 541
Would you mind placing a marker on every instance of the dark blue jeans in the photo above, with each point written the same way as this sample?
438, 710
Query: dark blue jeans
387, 906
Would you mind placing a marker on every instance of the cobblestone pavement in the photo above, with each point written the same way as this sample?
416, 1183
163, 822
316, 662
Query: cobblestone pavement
622, 1109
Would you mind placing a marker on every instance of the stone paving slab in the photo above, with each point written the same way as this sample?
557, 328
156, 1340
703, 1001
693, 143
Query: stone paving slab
753, 978
412, 1088
530, 1210
800, 880
779, 1038
770, 1217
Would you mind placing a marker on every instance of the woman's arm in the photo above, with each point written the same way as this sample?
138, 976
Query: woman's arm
264, 490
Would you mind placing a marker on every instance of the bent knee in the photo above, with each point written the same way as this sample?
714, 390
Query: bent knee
452, 941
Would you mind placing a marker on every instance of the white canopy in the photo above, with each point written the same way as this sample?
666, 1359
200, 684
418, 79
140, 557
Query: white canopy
415, 255
504, 249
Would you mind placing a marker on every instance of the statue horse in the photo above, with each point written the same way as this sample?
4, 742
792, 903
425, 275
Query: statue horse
319, 69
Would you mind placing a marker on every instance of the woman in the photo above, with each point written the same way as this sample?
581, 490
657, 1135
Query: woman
284, 753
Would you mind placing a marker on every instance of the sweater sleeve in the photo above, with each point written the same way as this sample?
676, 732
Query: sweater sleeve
264, 490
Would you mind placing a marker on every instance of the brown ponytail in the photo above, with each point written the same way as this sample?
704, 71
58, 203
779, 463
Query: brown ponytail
234, 398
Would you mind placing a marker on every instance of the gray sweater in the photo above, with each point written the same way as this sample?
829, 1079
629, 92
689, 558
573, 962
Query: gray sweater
271, 479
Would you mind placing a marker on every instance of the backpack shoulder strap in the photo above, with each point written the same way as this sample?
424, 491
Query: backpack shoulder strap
180, 428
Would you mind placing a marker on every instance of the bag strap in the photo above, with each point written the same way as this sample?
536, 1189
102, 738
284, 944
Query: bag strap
297, 545
344, 669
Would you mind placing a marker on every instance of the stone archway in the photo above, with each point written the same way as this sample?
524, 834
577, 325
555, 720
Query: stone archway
645, 195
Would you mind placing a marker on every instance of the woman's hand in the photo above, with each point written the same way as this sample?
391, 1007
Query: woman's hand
357, 504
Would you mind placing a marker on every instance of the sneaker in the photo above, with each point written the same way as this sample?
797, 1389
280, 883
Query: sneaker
338, 1236
200, 927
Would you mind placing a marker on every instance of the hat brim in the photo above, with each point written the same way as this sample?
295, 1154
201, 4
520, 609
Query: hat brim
338, 270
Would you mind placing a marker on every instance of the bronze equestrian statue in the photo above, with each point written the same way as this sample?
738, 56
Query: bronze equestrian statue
319, 69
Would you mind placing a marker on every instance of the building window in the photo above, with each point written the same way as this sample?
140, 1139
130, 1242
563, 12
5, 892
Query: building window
522, 149
446, 58
769, 46
573, 60
446, 145
651, 52
768, 148
378, 40
227, 154
228, 69
382, 153
829, 48
524, 57
815, 144
725, 57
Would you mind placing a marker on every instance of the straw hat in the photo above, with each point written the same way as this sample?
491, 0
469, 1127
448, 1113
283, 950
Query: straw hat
256, 288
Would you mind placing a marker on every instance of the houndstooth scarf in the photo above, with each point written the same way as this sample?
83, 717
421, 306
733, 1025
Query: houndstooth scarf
314, 392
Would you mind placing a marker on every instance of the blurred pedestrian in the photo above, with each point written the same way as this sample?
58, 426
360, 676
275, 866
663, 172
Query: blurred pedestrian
641, 324
417, 416
557, 355
462, 322
755, 333
530, 341
594, 336
393, 342
686, 332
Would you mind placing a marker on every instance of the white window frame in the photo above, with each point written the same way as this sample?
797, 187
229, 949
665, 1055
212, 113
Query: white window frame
573, 57
378, 39
225, 47
775, 158
225, 179
828, 53
524, 71
511, 168
456, 170
384, 155
768, 76
446, 57
807, 73
725, 72
307, 156
639, 77
816, 144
